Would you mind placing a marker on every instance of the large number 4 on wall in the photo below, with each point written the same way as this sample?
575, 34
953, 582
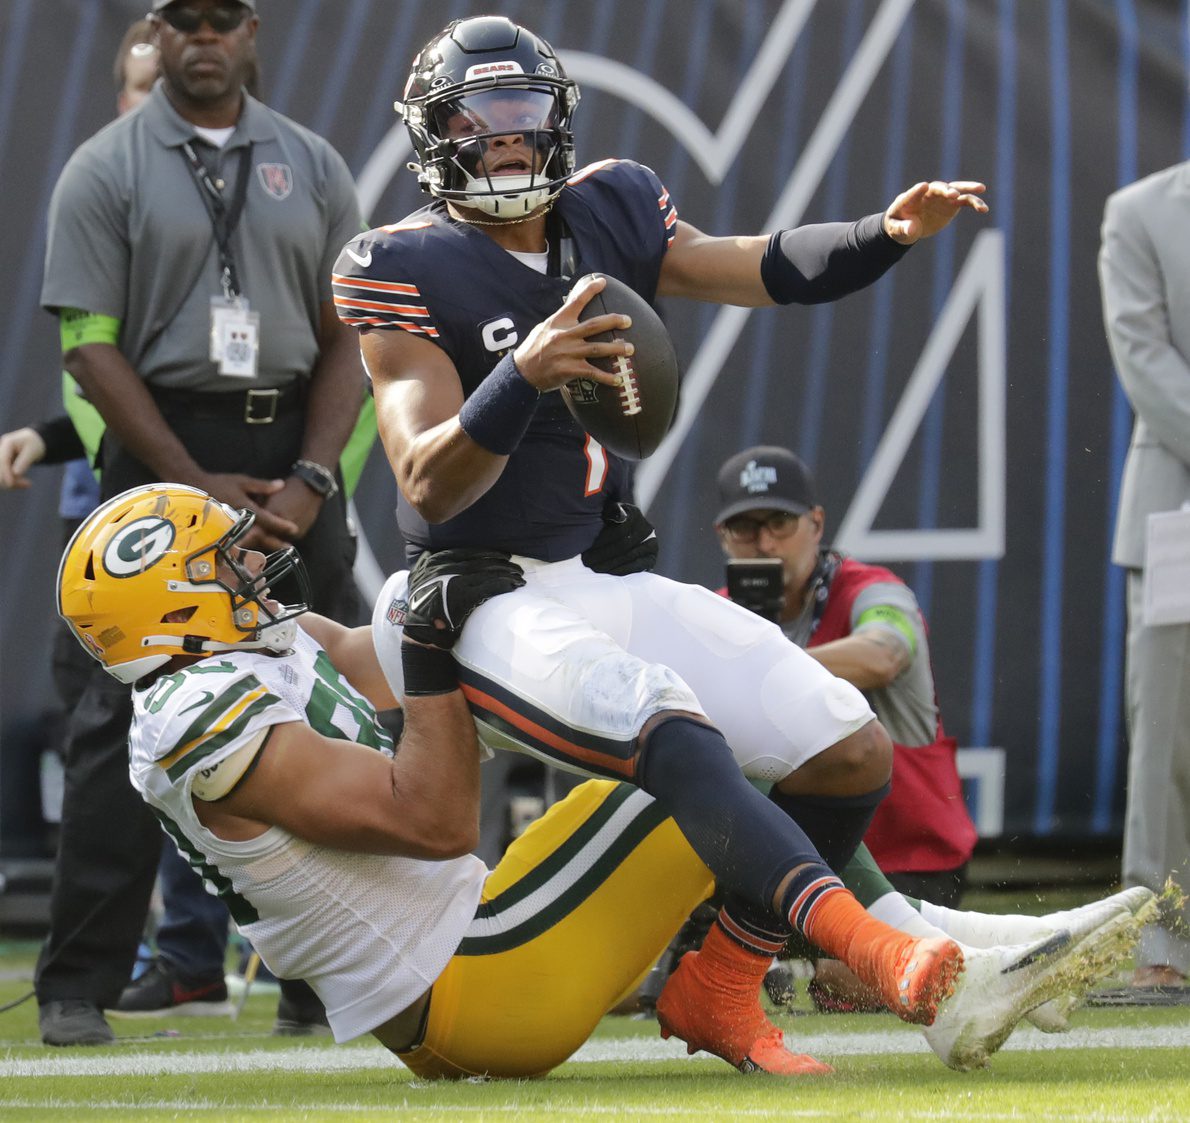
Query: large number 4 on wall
980, 285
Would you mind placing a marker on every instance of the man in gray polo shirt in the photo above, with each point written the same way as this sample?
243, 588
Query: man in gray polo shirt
189, 254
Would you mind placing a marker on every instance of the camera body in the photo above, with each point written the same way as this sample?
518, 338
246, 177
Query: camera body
757, 584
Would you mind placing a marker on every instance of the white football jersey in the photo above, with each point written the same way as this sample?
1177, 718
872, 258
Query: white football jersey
370, 933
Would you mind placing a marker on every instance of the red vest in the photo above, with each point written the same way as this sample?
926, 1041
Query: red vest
923, 825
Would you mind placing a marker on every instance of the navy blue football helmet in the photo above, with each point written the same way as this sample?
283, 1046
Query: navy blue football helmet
488, 108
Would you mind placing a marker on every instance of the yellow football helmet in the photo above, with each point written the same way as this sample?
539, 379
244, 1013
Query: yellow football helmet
169, 550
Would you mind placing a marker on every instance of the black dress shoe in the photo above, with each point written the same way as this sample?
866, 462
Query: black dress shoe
300, 1013
73, 1021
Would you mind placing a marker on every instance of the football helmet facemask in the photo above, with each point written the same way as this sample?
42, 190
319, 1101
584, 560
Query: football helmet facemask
163, 550
488, 108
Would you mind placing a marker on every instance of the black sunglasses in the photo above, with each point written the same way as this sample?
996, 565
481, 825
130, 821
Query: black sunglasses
222, 18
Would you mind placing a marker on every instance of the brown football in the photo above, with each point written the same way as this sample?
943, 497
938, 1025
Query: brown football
632, 418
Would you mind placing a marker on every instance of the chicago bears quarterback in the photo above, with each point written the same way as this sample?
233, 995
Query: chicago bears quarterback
468, 321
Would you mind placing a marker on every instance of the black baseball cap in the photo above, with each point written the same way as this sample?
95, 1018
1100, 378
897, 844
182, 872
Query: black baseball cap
159, 4
768, 477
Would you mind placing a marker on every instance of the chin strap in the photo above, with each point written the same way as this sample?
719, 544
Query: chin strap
272, 637
540, 212
278, 637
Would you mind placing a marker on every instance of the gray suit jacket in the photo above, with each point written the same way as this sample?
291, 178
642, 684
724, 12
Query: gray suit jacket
1144, 276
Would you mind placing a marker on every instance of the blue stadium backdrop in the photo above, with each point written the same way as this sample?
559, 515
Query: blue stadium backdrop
962, 416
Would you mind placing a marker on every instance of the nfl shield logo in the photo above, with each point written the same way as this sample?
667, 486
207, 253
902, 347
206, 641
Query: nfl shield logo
276, 179
583, 391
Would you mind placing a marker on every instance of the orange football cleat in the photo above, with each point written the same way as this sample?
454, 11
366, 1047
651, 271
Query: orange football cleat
920, 976
706, 1011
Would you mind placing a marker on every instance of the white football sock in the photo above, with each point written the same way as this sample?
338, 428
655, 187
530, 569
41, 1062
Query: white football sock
985, 930
896, 912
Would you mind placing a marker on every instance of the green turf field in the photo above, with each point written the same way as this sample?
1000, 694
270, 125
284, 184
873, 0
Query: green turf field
1117, 1064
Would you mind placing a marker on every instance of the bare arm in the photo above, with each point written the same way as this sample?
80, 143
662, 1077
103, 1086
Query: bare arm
423, 803
718, 270
439, 468
728, 270
337, 388
336, 393
868, 659
354, 656
129, 411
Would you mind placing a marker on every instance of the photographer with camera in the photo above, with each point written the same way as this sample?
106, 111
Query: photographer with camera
862, 622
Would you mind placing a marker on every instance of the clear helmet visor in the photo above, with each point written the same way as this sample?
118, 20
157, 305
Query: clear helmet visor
502, 140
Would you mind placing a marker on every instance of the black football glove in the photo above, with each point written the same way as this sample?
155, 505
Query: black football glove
626, 544
446, 587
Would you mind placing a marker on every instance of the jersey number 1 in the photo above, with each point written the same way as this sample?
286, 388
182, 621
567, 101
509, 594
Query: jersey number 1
596, 466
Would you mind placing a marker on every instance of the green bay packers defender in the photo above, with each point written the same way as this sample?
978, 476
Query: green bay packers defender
345, 864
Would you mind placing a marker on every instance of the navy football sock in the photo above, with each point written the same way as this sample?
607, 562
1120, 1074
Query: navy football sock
760, 931
836, 825
747, 842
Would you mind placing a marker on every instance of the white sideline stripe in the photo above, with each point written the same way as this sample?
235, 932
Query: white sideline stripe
977, 1113
616, 1049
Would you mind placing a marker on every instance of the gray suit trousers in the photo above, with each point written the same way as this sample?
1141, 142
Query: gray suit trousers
1157, 822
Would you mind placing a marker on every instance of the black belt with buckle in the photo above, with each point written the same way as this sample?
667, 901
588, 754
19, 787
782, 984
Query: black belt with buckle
252, 407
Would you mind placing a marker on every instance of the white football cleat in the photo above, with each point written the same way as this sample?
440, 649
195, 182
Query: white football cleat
1054, 1016
1138, 899
1112, 945
997, 987
1131, 900
1001, 985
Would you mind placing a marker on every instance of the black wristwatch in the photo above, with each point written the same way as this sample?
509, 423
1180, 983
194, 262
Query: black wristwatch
316, 477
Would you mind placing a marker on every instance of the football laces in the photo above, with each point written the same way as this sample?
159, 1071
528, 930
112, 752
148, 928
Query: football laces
627, 386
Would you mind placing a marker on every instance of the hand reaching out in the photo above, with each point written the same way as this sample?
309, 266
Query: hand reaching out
926, 208
19, 451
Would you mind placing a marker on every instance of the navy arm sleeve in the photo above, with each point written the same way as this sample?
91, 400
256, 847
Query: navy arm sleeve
818, 263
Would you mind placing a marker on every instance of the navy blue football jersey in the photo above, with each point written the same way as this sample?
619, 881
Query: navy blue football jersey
449, 282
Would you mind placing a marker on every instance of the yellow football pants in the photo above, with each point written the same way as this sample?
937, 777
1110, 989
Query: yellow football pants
571, 920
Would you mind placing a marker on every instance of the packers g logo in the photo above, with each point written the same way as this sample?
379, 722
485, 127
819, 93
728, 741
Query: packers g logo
138, 546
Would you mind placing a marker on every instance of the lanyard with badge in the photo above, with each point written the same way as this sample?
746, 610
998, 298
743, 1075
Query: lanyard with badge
235, 328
